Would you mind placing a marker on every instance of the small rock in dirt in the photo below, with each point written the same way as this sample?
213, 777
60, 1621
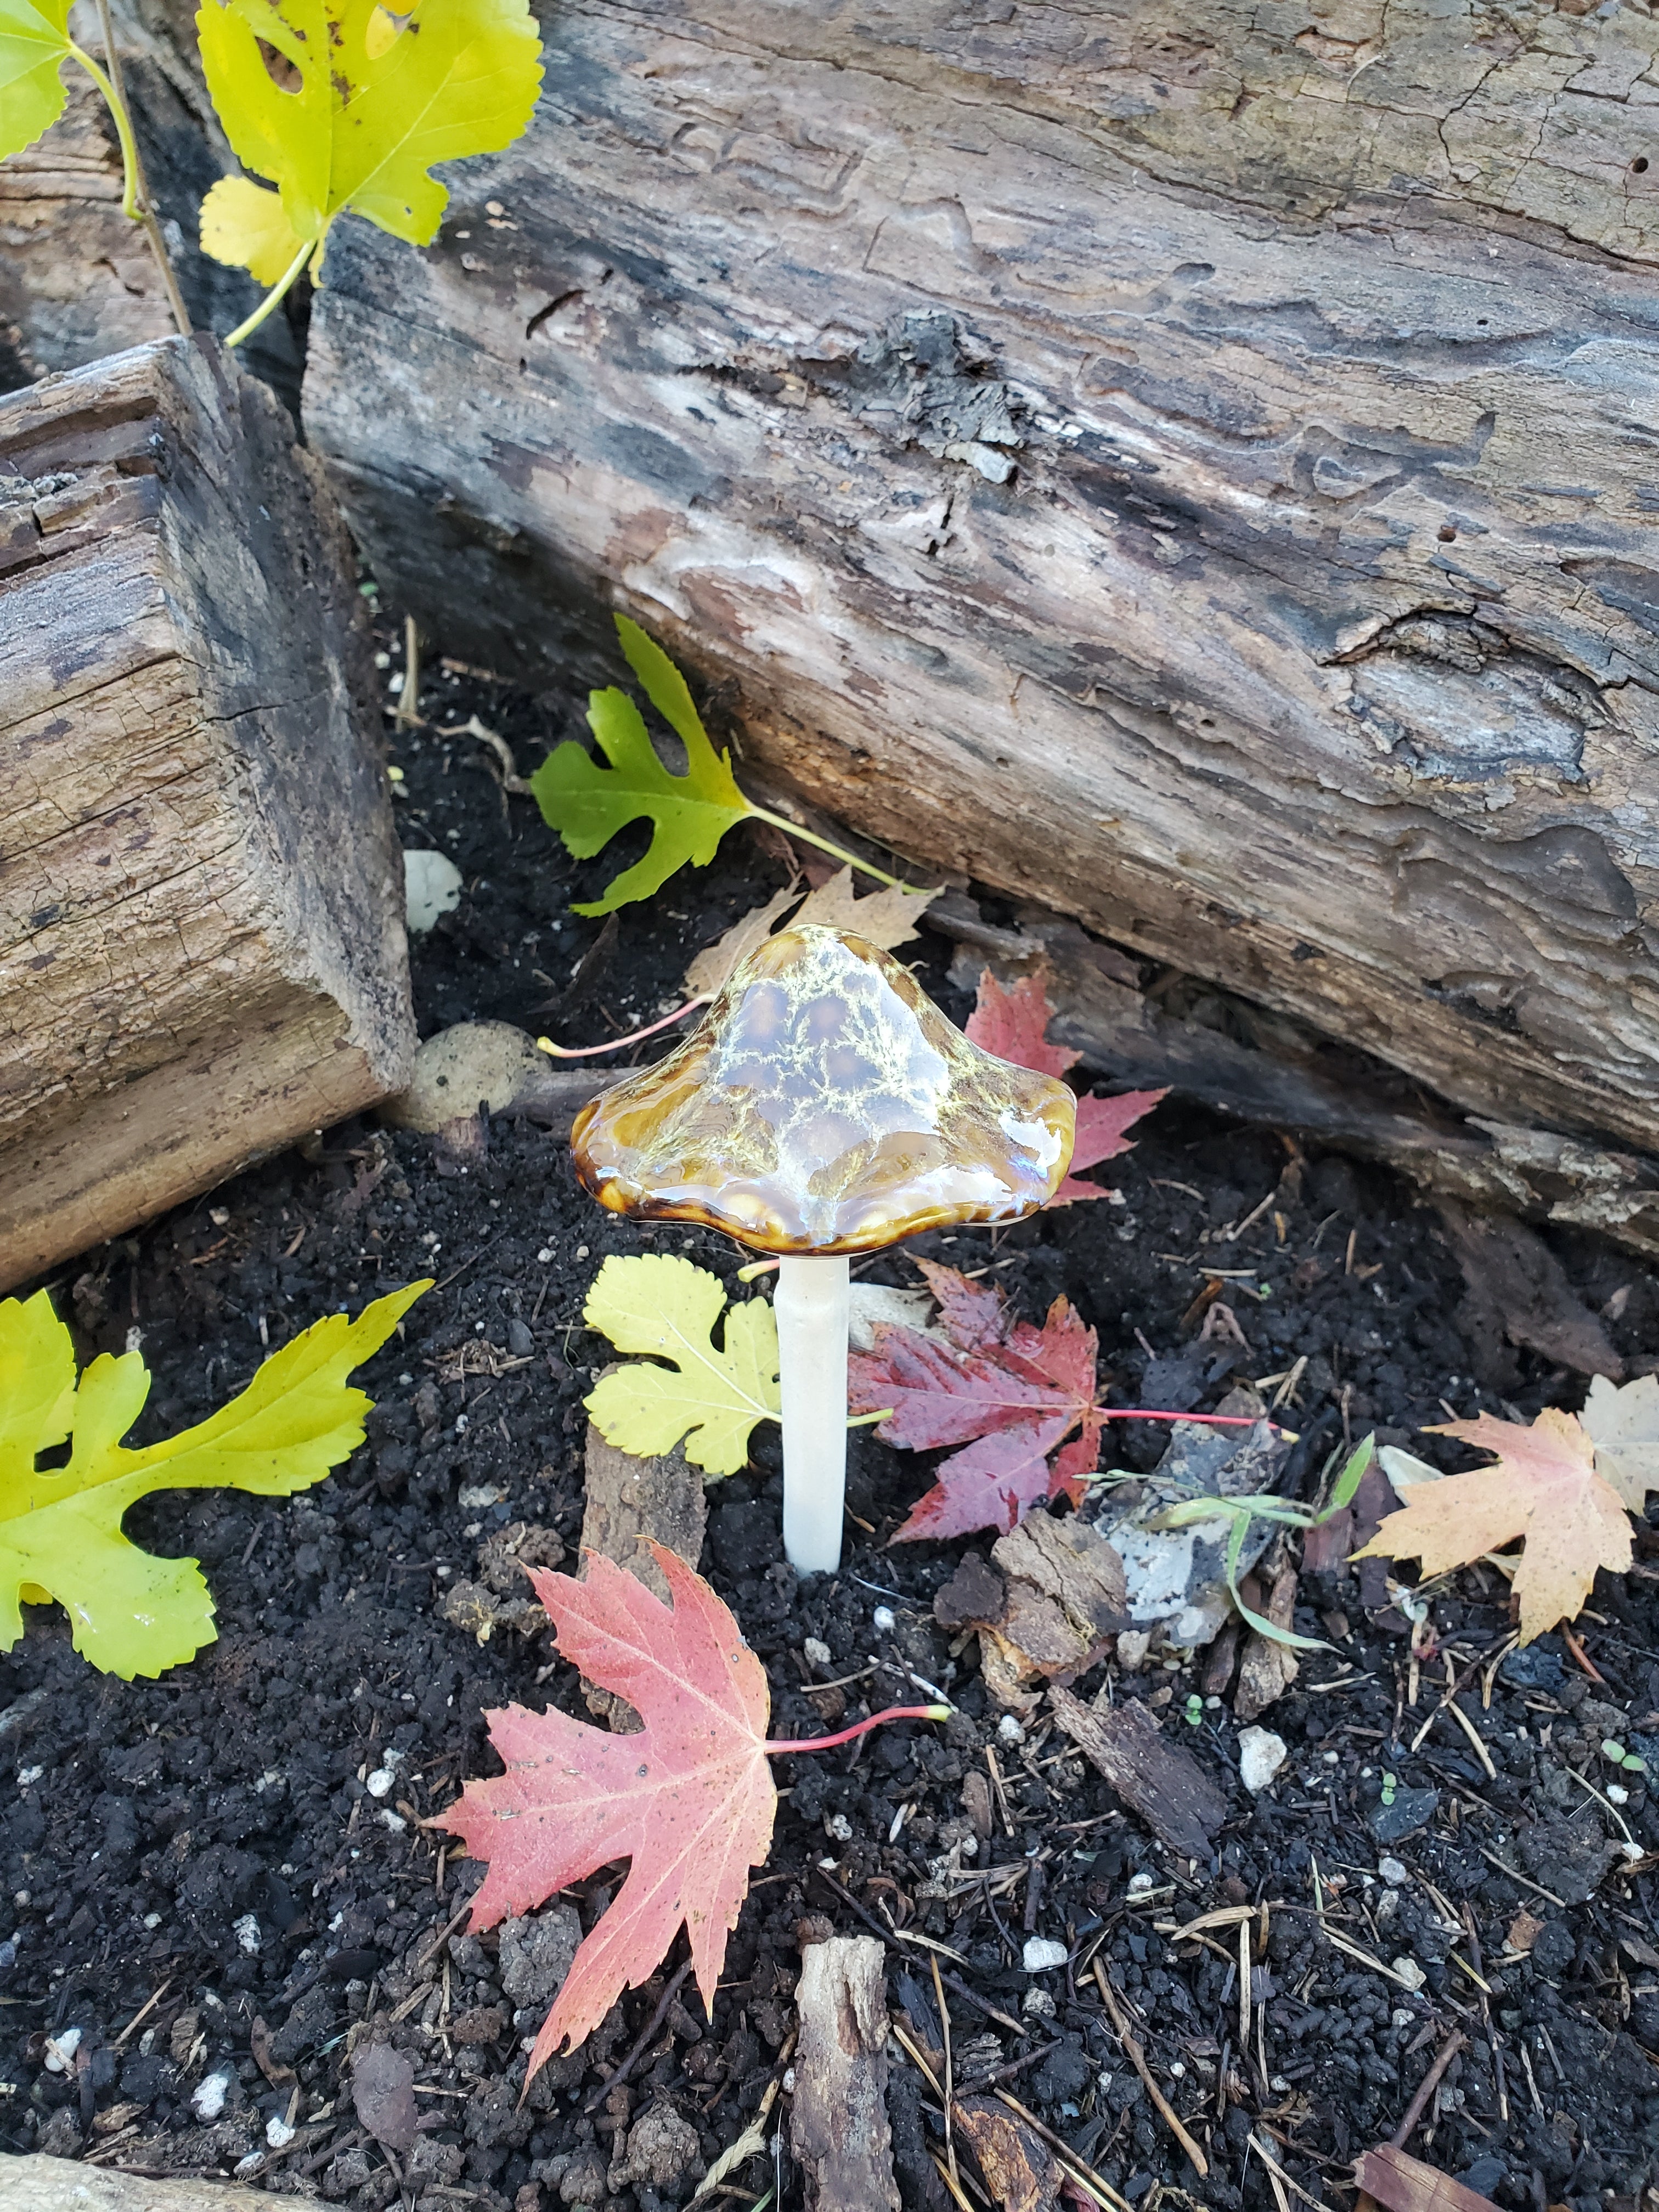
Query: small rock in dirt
1042, 1955
1533, 1667
1132, 1646
61, 2136
1261, 1755
347, 2173
432, 887
479, 2025
1553, 1948
1405, 1812
661, 2147
1009, 1730
1392, 1872
585, 2181
519, 1341
535, 1952
208, 2099
1410, 1974
1064, 2073
816, 1652
1485, 2176
383, 2093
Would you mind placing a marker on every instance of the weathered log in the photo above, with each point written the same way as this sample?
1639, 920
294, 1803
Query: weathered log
35, 2183
1273, 1070
202, 950
838, 2128
1186, 467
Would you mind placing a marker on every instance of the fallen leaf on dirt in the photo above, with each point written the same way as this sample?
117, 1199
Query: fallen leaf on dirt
1623, 1424
1017, 2165
659, 1304
1545, 1488
1012, 1021
689, 1799
383, 2094
887, 917
1524, 1932
1010, 1398
1165, 1785
1406, 2184
60, 1527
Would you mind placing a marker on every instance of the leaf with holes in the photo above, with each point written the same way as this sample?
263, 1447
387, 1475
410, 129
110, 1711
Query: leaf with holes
667, 1308
1009, 1394
60, 1527
1012, 1021
345, 105
1545, 1489
687, 1798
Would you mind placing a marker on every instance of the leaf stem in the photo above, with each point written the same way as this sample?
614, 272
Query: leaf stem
858, 1728
836, 852
635, 1036
135, 193
276, 294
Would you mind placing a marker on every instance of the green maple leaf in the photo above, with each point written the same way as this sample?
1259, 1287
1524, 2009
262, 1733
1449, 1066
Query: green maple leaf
373, 99
34, 42
667, 1306
60, 1527
587, 805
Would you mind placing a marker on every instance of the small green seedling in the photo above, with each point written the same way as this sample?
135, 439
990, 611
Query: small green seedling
1389, 1787
1265, 1506
1620, 1757
689, 814
60, 1527
1193, 1711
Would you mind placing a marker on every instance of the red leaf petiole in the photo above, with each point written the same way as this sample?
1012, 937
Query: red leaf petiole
860, 1728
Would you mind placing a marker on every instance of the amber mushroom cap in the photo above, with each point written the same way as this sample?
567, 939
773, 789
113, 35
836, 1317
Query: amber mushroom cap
825, 1105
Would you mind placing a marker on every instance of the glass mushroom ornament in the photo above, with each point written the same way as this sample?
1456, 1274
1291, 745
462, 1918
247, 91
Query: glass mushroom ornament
824, 1108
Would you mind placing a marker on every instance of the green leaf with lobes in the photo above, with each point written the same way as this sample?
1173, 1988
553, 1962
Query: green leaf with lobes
689, 1799
60, 1527
1012, 1021
662, 1305
35, 44
358, 105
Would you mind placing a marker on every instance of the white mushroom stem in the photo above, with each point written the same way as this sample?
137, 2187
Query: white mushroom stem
810, 1304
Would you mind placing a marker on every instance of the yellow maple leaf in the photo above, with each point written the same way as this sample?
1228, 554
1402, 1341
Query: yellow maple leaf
712, 1395
245, 227
1545, 1489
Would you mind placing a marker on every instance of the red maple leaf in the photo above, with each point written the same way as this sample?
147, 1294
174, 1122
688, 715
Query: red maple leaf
1009, 1394
688, 1800
1014, 1022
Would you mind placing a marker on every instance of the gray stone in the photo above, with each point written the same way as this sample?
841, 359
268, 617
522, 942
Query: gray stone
536, 1952
1408, 1811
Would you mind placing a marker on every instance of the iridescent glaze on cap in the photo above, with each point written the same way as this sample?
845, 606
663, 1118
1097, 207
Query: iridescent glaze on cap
825, 1105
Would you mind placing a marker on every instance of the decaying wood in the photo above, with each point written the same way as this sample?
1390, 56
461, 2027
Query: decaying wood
1055, 1595
1164, 1785
202, 950
838, 2127
1185, 465
1259, 1066
626, 1500
35, 2183
1519, 1291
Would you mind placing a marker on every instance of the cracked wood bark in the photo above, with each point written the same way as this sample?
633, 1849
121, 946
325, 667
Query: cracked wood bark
202, 950
838, 2127
1193, 470
34, 2183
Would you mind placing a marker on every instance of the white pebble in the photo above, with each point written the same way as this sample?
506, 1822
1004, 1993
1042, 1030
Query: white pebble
432, 886
1042, 1955
1261, 1755
1133, 1645
544, 1255
278, 2134
62, 2050
1009, 1730
1039, 1999
246, 1932
209, 2100
1139, 1884
1617, 1794
838, 1828
28, 1775
815, 1652
1401, 2017
884, 1620
378, 1783
1409, 1971
395, 1822
1392, 1873
152, 1921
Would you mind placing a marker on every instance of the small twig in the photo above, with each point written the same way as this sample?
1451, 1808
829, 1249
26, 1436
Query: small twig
646, 2034
141, 206
472, 727
407, 712
1582, 1655
1474, 1735
1425, 2088
148, 2006
1290, 2183
1137, 2058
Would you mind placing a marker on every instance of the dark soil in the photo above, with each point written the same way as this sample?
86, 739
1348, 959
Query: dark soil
205, 1885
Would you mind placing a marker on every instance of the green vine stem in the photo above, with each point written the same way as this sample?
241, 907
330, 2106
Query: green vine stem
836, 852
274, 298
135, 196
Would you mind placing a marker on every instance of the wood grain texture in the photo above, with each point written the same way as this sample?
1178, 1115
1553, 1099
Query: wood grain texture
838, 2126
202, 953
1192, 469
37, 2184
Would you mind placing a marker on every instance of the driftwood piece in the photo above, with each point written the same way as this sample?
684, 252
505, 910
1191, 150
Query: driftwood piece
1172, 463
1263, 1067
35, 2183
202, 950
838, 2128
627, 1499
1165, 1786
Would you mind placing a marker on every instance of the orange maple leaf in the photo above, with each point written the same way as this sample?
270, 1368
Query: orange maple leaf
688, 1800
1545, 1489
